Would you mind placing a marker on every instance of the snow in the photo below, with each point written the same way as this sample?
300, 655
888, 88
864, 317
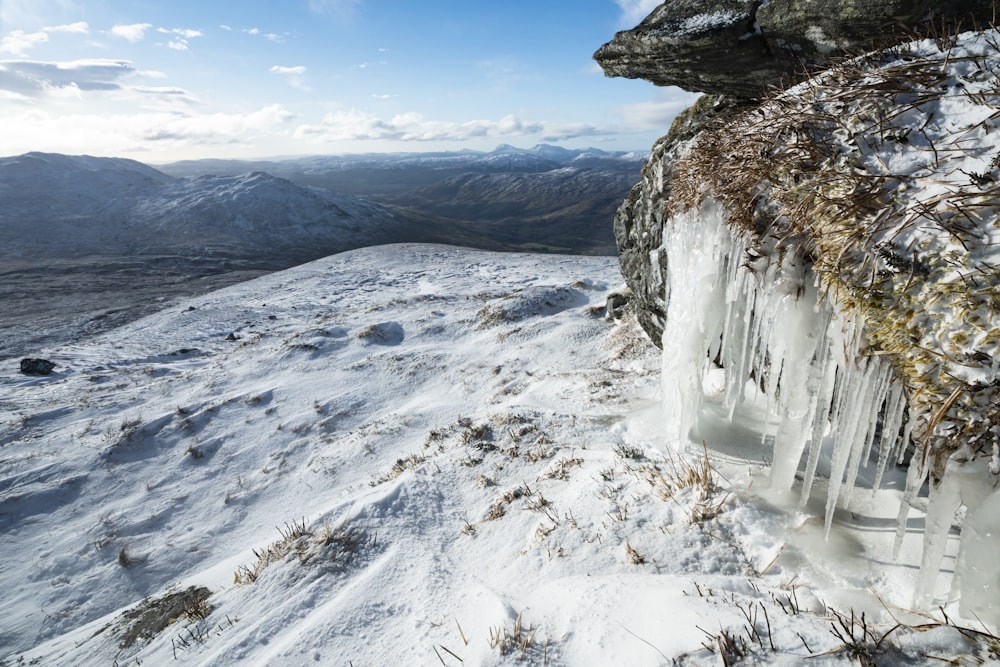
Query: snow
424, 455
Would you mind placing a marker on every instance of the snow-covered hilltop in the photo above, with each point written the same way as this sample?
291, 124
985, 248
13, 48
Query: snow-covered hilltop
89, 243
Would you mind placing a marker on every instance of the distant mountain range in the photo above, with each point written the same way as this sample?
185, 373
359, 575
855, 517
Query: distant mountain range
543, 198
387, 174
88, 243
291, 211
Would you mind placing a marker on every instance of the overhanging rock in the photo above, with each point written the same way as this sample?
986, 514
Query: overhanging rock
746, 48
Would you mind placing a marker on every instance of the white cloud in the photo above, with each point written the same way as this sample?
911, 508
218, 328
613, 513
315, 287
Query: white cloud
634, 11
133, 32
656, 114
181, 37
18, 42
356, 125
166, 133
183, 33
166, 97
33, 78
225, 27
294, 75
385, 96
80, 28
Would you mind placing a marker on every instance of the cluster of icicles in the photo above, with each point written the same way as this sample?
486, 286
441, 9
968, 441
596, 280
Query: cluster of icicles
759, 317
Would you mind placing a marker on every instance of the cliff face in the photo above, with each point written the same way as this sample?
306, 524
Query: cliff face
839, 245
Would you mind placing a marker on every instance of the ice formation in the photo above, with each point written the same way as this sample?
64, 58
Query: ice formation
760, 318
885, 174
755, 311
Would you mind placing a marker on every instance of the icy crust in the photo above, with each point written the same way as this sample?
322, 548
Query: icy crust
880, 178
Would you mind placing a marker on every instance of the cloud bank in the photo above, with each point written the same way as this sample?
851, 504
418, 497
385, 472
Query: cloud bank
357, 125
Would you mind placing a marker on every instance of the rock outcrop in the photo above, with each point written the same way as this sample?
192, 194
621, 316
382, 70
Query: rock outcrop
745, 48
838, 246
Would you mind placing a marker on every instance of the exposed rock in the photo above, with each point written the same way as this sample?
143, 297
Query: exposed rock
615, 305
36, 366
746, 47
639, 221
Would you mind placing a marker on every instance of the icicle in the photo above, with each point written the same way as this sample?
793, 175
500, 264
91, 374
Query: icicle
915, 477
965, 482
824, 404
796, 336
978, 566
945, 499
766, 321
875, 401
736, 348
854, 396
695, 245
895, 408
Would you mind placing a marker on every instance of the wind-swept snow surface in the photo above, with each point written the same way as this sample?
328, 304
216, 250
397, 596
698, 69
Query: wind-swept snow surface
413, 455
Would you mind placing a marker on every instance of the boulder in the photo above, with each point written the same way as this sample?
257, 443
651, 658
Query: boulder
31, 366
745, 48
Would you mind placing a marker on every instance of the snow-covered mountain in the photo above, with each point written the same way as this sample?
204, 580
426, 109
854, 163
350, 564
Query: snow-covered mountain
58, 206
418, 455
88, 243
546, 197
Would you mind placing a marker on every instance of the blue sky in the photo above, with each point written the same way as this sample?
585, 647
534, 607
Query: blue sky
160, 81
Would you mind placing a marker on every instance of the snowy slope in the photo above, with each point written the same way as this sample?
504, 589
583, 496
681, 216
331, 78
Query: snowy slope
412, 455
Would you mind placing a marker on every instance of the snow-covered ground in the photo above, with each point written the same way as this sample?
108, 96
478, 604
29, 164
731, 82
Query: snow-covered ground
418, 455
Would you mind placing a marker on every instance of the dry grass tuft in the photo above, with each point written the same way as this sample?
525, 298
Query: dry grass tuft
150, 617
399, 467
517, 640
331, 545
